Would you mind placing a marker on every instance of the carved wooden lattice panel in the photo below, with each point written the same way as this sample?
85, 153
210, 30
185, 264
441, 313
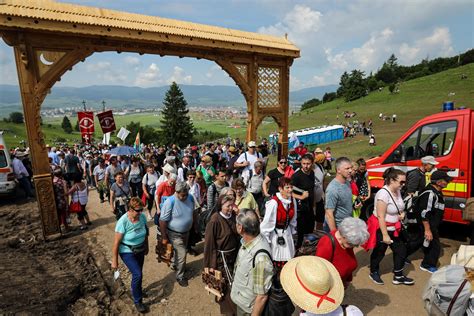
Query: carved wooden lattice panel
268, 87
243, 70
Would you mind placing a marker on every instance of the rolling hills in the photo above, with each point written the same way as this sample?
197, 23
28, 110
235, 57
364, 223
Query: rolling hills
417, 98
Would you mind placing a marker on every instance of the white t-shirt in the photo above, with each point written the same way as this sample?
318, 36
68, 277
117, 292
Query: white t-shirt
250, 158
392, 211
351, 310
99, 172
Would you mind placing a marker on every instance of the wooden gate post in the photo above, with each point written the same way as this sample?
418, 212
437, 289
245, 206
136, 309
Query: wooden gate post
32, 97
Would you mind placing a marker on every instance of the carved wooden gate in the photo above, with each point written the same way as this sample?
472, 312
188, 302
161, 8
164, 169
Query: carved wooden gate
49, 38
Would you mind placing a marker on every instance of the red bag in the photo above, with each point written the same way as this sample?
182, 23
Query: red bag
75, 207
144, 199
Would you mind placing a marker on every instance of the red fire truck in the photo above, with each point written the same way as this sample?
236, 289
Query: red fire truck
449, 137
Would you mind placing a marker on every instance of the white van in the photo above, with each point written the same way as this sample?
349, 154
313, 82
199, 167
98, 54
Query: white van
7, 177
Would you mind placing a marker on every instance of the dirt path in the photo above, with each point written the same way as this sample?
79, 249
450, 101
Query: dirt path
73, 274
165, 296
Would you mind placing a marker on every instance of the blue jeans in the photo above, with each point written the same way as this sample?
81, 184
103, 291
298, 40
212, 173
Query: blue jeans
25, 184
134, 263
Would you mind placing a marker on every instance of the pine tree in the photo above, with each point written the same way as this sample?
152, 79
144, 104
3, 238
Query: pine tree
66, 125
76, 127
176, 124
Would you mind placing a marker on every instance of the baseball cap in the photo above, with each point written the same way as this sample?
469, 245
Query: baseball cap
440, 175
429, 160
251, 144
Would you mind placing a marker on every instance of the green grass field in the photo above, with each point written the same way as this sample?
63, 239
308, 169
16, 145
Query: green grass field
417, 98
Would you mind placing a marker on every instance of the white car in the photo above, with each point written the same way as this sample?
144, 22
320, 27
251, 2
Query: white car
7, 177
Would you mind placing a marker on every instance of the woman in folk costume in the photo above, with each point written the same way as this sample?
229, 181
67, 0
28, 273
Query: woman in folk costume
221, 245
279, 224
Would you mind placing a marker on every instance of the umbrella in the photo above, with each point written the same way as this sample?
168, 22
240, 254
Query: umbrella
123, 151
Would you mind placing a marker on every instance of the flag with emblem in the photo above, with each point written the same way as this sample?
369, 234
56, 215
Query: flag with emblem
86, 122
107, 122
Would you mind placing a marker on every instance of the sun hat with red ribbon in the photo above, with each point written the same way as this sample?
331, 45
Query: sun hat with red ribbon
313, 284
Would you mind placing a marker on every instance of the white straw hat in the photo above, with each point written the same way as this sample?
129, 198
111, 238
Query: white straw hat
313, 284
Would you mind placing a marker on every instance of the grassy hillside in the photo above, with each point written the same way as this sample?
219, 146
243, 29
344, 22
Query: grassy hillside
417, 98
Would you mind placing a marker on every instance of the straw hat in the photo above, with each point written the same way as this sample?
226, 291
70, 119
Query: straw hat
206, 159
318, 151
319, 158
313, 284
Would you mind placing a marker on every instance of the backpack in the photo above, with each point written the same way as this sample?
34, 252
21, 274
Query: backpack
278, 302
447, 292
239, 170
205, 216
310, 244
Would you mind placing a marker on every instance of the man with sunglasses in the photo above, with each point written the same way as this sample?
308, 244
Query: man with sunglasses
270, 183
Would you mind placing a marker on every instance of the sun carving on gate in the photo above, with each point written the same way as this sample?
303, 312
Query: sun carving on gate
268, 87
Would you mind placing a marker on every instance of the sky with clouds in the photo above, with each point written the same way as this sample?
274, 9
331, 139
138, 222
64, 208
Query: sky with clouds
334, 36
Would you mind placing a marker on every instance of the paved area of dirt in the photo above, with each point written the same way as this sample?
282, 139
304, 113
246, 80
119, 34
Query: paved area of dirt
73, 274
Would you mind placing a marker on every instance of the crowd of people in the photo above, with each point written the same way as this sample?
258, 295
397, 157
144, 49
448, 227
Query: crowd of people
252, 220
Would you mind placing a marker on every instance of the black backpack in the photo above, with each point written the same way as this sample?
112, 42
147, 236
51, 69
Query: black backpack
278, 302
310, 243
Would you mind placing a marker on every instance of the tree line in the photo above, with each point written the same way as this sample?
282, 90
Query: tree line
355, 84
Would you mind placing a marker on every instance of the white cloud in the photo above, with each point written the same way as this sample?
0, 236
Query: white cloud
151, 76
297, 23
99, 66
132, 60
106, 72
179, 76
434, 45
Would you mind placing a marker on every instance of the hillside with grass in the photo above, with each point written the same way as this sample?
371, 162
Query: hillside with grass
416, 99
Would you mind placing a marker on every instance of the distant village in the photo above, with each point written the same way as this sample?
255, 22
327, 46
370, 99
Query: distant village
204, 113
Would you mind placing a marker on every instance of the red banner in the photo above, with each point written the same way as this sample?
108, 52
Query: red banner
86, 122
86, 138
106, 120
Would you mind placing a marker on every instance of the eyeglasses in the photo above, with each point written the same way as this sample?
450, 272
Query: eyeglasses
402, 182
283, 162
191, 177
138, 210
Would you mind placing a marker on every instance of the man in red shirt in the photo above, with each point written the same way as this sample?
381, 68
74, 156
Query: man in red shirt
339, 249
301, 149
165, 189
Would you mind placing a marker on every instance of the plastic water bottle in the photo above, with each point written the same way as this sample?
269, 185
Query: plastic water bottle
426, 243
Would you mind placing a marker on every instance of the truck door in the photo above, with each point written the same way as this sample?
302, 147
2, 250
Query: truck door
444, 141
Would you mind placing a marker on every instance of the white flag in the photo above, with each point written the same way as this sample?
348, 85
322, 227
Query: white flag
293, 141
123, 133
106, 139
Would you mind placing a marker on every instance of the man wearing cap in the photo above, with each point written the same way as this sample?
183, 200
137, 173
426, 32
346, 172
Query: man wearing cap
21, 173
430, 203
416, 183
416, 179
248, 158
232, 152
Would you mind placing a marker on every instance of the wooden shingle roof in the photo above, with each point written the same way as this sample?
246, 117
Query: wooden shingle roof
47, 15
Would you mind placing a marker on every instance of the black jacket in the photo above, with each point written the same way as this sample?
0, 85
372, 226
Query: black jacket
430, 204
416, 181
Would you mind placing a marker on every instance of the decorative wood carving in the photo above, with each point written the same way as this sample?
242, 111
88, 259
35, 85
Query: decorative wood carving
268, 87
49, 38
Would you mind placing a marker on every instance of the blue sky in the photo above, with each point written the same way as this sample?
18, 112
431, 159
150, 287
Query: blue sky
334, 36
